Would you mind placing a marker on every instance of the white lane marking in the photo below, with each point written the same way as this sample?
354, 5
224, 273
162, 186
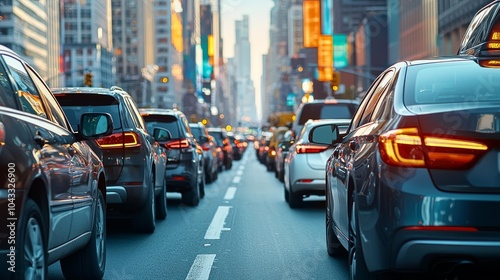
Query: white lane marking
240, 172
202, 265
236, 179
242, 167
230, 193
217, 225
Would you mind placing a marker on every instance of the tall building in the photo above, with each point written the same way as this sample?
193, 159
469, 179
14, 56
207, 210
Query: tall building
245, 91
453, 18
163, 97
134, 47
86, 43
418, 28
26, 27
348, 14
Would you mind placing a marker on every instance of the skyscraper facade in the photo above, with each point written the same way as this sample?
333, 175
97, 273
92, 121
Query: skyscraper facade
86, 43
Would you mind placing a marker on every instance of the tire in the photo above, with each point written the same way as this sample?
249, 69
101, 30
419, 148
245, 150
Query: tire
202, 186
357, 265
32, 244
90, 261
144, 220
192, 197
287, 194
294, 199
161, 202
333, 245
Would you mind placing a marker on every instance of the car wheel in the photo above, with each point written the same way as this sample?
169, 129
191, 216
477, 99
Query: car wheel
202, 185
357, 265
287, 195
192, 197
294, 199
32, 245
333, 245
90, 261
161, 202
144, 219
281, 176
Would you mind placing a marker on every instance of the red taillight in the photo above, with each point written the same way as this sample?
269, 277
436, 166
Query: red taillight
404, 147
119, 140
206, 147
177, 144
443, 228
309, 149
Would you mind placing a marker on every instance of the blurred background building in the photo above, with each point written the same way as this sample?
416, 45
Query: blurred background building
161, 50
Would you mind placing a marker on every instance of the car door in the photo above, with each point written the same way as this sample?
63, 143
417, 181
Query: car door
83, 182
52, 151
346, 168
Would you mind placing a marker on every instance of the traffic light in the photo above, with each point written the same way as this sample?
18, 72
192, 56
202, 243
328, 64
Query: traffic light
335, 81
87, 79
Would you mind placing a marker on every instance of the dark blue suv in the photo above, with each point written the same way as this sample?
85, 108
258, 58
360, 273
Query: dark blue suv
185, 172
134, 161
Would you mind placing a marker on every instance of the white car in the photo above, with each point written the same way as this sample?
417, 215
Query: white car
306, 161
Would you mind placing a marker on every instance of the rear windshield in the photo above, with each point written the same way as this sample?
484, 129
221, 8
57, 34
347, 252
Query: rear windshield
164, 121
196, 131
452, 82
74, 105
327, 111
219, 137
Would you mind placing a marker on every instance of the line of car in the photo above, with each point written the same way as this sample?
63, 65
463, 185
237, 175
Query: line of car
76, 156
412, 179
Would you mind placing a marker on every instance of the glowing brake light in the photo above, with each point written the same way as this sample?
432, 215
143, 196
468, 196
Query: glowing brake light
206, 146
404, 147
309, 149
177, 144
119, 140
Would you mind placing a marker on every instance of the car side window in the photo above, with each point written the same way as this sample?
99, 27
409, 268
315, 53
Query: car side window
383, 108
53, 108
377, 93
7, 98
27, 93
136, 116
362, 106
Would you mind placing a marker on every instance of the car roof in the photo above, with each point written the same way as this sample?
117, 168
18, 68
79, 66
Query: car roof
159, 111
327, 121
113, 91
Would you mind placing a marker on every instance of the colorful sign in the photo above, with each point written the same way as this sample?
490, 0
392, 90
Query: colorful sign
312, 23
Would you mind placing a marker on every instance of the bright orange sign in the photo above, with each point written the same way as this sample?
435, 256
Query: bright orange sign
312, 23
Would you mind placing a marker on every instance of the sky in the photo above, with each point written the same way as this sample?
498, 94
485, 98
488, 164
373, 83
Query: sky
258, 12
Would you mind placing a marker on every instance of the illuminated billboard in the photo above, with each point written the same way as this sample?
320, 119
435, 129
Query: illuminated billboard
312, 23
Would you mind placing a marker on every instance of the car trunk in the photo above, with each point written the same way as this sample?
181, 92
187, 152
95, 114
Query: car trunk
479, 131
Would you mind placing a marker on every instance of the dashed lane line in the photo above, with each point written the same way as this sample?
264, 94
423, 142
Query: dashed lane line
202, 265
217, 225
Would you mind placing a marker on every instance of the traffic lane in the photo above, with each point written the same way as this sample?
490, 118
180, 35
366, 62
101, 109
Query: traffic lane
266, 239
169, 252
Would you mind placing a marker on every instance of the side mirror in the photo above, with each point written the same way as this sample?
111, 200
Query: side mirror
325, 134
161, 134
95, 125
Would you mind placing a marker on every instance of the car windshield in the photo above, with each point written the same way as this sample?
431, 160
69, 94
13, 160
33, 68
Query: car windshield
454, 82
326, 111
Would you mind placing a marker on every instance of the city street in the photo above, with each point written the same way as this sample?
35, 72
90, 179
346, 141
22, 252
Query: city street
242, 229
